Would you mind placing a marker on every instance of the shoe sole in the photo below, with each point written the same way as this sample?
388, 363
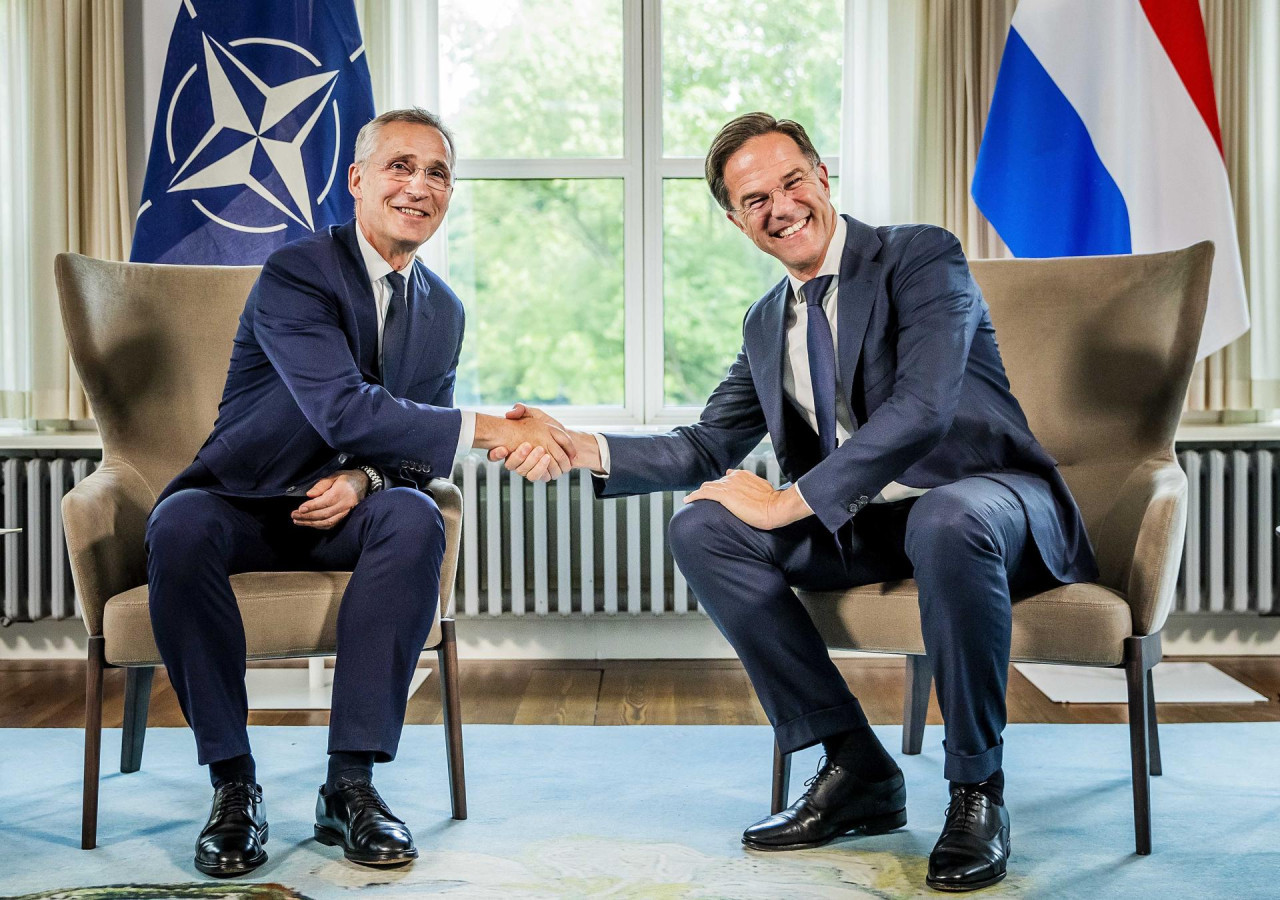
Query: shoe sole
961, 888
233, 871
332, 838
881, 824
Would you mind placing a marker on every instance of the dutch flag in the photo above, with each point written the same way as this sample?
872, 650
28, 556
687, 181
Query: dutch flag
1103, 137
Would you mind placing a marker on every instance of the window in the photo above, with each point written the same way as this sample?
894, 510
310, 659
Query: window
598, 273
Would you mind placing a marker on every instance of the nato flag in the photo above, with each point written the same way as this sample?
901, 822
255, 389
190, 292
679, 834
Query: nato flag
255, 129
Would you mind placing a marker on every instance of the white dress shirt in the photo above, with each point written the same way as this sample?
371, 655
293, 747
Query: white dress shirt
378, 270
796, 381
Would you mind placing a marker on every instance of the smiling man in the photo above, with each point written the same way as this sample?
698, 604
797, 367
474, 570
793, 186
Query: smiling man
337, 412
873, 368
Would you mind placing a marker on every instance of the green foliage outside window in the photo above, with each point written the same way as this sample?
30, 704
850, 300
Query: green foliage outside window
539, 263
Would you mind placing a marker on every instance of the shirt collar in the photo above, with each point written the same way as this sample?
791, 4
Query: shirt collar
830, 264
377, 267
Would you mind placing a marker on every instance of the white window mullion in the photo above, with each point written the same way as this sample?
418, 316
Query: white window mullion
653, 350
635, 255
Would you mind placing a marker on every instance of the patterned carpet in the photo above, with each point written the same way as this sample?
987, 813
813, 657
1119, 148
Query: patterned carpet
645, 812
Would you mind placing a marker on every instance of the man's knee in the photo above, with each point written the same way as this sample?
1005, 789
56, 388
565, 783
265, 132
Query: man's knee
694, 524
185, 523
413, 517
945, 532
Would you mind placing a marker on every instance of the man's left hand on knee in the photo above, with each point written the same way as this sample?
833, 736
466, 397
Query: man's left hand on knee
754, 500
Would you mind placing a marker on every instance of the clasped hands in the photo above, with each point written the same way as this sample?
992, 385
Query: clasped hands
748, 496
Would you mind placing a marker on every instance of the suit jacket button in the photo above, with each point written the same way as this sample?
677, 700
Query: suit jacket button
289, 489
342, 457
863, 500
853, 507
426, 470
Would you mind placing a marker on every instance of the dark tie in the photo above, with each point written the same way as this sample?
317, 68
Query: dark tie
822, 363
395, 330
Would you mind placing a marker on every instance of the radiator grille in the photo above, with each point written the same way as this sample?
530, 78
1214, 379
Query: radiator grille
555, 550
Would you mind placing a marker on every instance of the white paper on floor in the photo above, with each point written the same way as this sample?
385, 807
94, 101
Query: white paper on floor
297, 688
1175, 682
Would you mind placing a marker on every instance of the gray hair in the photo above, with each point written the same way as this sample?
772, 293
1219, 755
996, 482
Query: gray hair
742, 129
414, 115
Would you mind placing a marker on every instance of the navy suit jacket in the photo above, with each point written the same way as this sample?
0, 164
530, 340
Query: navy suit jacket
303, 396
922, 375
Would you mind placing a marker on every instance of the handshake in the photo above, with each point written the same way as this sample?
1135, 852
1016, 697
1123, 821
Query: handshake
535, 445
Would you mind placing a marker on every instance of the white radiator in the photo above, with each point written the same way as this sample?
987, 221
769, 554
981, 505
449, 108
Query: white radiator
1228, 564
554, 549
37, 575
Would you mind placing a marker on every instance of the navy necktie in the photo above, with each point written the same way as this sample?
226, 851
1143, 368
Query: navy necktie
822, 362
395, 330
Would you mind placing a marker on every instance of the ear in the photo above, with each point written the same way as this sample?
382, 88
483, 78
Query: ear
823, 178
353, 180
734, 219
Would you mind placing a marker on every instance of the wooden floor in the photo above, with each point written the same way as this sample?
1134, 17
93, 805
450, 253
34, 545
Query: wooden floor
612, 692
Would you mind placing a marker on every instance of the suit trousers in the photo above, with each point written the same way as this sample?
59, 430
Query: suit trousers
968, 546
393, 544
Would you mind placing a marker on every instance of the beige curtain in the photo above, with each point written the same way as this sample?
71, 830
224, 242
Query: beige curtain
961, 45
1222, 381
79, 182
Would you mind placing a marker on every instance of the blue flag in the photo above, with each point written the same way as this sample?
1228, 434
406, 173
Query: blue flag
259, 108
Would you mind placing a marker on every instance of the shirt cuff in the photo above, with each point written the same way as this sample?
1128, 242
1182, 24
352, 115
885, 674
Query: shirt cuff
604, 455
800, 494
466, 434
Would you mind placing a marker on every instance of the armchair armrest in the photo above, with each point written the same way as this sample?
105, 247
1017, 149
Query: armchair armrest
1140, 543
449, 499
105, 522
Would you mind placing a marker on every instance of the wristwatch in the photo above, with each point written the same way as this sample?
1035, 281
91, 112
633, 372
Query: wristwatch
375, 478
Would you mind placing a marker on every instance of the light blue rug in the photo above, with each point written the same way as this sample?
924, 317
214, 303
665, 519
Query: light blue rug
640, 812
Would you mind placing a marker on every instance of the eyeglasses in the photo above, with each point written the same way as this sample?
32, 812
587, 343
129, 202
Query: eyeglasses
758, 206
437, 178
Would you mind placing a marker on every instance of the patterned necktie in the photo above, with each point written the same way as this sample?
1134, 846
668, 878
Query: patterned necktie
822, 362
395, 330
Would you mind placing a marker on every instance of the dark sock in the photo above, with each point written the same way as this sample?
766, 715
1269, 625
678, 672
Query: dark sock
861, 752
993, 787
237, 768
354, 765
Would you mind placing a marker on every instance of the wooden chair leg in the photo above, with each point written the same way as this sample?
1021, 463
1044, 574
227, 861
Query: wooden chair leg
1153, 725
96, 662
137, 698
1141, 653
915, 703
781, 780
451, 709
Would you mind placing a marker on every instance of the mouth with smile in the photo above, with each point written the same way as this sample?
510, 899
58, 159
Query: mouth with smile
409, 212
793, 229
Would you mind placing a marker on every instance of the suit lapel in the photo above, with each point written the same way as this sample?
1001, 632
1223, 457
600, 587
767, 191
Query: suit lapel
365, 311
417, 345
859, 276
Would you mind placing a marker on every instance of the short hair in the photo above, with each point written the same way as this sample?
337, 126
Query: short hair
414, 115
742, 129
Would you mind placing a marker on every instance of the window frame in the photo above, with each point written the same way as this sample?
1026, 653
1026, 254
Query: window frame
643, 169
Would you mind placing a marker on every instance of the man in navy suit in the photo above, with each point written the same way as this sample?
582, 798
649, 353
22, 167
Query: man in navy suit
873, 368
337, 412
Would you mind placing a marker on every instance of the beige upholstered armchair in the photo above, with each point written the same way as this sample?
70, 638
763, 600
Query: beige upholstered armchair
151, 344
1099, 351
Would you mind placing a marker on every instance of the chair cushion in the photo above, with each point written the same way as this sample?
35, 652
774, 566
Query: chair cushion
1081, 624
310, 628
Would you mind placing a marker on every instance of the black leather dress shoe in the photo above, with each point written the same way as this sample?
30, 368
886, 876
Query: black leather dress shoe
837, 802
231, 841
356, 819
973, 850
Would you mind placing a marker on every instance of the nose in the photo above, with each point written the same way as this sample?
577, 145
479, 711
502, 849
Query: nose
783, 203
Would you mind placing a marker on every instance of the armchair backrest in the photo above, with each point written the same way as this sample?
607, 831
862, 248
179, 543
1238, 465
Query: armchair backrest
1099, 351
151, 344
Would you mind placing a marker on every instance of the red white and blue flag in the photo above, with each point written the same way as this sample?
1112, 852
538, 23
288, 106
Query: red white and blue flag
1103, 137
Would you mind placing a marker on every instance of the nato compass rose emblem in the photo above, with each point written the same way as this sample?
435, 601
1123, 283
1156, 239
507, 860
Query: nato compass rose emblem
257, 137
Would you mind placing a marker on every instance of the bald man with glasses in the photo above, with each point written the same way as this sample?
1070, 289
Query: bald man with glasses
873, 368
